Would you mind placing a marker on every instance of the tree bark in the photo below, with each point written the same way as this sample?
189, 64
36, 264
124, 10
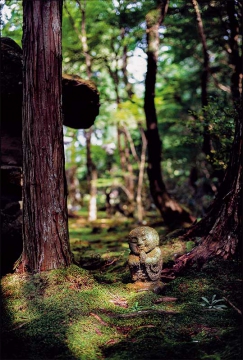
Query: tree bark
128, 85
235, 58
91, 169
45, 226
207, 144
221, 229
171, 211
92, 178
140, 209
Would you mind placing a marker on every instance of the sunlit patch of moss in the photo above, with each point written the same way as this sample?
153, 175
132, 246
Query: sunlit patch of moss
77, 314
87, 336
172, 249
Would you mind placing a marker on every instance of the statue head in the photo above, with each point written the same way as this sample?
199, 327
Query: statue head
143, 238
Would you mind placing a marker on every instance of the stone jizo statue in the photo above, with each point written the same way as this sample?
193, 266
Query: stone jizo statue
145, 259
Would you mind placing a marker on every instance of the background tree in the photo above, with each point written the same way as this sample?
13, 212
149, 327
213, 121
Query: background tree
221, 229
91, 168
170, 210
115, 32
207, 145
45, 227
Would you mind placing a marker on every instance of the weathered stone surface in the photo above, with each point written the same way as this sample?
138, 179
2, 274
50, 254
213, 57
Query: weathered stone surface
145, 259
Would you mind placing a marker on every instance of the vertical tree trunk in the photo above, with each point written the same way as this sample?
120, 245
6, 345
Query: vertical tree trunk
129, 177
128, 85
91, 168
207, 144
221, 229
140, 209
121, 148
92, 178
45, 226
171, 211
235, 58
83, 37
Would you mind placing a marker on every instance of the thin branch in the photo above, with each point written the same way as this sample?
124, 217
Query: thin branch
219, 85
143, 312
233, 306
132, 147
99, 319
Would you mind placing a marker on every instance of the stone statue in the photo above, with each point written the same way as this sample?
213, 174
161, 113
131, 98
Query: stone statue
145, 259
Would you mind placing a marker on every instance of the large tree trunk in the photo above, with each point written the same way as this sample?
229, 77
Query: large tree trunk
45, 227
221, 229
171, 211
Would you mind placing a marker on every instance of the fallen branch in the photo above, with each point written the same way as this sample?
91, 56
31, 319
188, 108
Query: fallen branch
143, 312
232, 305
19, 326
109, 263
99, 319
164, 299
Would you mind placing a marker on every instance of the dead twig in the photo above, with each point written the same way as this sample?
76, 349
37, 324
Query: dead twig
232, 305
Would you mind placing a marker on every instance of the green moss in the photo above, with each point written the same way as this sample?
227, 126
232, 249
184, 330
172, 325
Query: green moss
72, 313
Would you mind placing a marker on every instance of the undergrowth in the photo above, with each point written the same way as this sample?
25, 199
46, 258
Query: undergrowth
78, 313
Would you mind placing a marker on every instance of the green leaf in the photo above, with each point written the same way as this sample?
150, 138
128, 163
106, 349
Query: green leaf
220, 306
205, 299
216, 301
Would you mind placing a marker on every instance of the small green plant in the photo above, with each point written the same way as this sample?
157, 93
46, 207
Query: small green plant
213, 303
136, 307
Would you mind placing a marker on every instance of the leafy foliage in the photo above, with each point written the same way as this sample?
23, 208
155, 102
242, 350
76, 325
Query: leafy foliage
213, 303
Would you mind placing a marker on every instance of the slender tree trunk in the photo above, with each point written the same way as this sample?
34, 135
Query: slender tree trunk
129, 177
171, 211
83, 37
235, 58
91, 168
207, 144
128, 86
121, 148
45, 226
91, 178
140, 209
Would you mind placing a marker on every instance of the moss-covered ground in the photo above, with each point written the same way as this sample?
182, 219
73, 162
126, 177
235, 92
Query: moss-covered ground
90, 312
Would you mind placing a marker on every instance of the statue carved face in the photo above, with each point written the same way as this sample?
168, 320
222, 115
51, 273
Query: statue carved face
143, 238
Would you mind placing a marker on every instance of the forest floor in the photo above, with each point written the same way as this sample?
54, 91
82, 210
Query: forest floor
91, 312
